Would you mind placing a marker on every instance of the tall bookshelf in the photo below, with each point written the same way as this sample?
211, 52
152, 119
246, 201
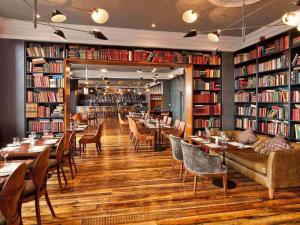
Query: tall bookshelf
265, 84
207, 86
44, 87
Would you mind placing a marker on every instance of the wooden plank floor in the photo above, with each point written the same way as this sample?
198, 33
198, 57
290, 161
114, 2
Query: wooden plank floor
124, 187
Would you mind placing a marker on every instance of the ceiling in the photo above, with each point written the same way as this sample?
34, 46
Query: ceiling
125, 83
166, 14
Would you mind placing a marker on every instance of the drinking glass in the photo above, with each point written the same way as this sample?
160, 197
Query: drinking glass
16, 141
199, 133
4, 154
33, 134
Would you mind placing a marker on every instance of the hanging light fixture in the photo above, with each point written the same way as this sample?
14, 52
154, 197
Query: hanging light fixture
60, 34
214, 36
58, 17
291, 18
99, 16
98, 35
103, 70
190, 16
191, 33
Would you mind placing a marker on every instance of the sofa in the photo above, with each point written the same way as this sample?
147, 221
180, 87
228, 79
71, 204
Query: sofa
280, 169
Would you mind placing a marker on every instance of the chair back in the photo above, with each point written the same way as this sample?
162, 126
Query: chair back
176, 124
71, 141
181, 128
10, 196
198, 161
40, 169
60, 149
121, 121
169, 121
165, 119
176, 147
99, 131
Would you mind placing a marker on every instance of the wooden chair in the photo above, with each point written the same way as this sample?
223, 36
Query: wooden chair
37, 186
88, 139
177, 130
165, 119
169, 121
57, 164
122, 122
10, 197
142, 137
68, 155
198, 163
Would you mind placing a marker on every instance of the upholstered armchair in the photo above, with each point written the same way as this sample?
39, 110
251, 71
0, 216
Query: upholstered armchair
198, 163
176, 152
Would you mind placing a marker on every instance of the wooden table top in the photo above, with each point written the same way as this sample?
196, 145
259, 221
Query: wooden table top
25, 149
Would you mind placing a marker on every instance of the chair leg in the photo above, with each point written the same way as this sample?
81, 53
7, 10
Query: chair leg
225, 182
195, 184
59, 178
181, 169
184, 176
49, 204
173, 164
71, 167
37, 209
271, 193
74, 164
64, 175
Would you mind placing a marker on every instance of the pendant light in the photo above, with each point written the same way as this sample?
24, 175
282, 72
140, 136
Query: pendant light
99, 16
214, 36
98, 35
291, 18
191, 33
189, 16
60, 34
58, 17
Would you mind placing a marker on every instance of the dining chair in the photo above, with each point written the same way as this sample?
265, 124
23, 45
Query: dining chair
199, 164
142, 137
165, 119
10, 197
68, 155
36, 187
176, 152
57, 164
94, 138
122, 122
169, 121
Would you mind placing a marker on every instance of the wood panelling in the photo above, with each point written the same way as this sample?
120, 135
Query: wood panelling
125, 187
189, 101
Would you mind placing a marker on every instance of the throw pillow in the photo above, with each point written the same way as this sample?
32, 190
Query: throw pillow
277, 143
246, 137
261, 147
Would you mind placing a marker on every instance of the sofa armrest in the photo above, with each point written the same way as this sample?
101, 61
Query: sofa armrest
283, 169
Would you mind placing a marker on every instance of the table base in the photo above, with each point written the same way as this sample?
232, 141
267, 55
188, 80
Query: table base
219, 183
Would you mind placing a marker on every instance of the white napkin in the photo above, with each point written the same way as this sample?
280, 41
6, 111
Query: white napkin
38, 148
8, 169
198, 139
11, 148
236, 144
50, 141
167, 126
213, 145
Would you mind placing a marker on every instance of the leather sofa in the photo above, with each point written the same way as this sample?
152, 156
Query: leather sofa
280, 169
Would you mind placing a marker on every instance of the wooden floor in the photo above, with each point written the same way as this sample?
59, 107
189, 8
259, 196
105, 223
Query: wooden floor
124, 187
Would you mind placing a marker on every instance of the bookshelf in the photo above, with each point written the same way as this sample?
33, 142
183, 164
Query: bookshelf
207, 91
155, 102
267, 85
44, 87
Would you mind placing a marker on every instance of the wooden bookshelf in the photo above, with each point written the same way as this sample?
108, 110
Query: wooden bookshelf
44, 87
155, 102
264, 96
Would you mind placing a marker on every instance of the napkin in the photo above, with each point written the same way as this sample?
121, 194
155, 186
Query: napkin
199, 139
38, 148
213, 145
8, 169
50, 141
236, 144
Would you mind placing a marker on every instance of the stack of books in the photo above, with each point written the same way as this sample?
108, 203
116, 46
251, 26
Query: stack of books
274, 64
206, 110
51, 51
278, 45
203, 123
45, 96
243, 57
243, 96
206, 97
245, 123
274, 112
244, 83
296, 96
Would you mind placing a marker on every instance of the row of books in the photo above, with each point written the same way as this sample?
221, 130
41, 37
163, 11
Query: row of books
297, 131
278, 45
273, 127
50, 51
208, 73
296, 96
295, 113
242, 57
273, 96
202, 85
52, 67
244, 96
206, 97
33, 110
55, 125
274, 112
296, 41
206, 59
273, 80
243, 83
245, 123
245, 70
39, 80
45, 96
295, 76
203, 123
246, 110
204, 110
273, 64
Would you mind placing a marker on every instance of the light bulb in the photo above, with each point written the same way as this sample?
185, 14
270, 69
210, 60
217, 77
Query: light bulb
100, 16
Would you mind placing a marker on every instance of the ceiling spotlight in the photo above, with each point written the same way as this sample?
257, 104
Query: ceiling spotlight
139, 71
58, 17
60, 34
107, 87
291, 18
190, 16
99, 16
191, 33
38, 16
171, 75
214, 37
103, 70
153, 70
153, 25
98, 35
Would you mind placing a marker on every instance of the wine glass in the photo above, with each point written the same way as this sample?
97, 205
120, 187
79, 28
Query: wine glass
207, 134
4, 154
16, 141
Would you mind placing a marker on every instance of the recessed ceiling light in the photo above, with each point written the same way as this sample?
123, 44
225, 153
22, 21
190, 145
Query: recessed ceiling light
100, 16
171, 75
190, 16
58, 17
291, 18
103, 70
153, 25
60, 34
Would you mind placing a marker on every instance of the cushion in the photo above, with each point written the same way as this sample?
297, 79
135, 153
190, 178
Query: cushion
29, 188
249, 159
2, 219
246, 137
52, 163
267, 146
261, 146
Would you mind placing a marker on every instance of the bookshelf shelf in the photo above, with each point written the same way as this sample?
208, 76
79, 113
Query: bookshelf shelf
245, 76
245, 62
270, 55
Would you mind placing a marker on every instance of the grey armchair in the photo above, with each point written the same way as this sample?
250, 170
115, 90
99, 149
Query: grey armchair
176, 152
198, 163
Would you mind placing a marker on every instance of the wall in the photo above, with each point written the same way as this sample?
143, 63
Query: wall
166, 95
177, 85
11, 90
227, 91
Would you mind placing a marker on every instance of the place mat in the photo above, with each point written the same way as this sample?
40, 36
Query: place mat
246, 146
50, 141
213, 145
236, 144
38, 148
167, 126
11, 148
8, 169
